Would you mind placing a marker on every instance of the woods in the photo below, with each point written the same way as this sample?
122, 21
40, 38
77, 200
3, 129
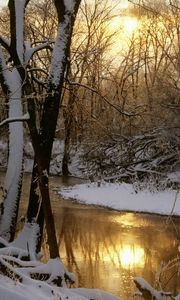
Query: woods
63, 77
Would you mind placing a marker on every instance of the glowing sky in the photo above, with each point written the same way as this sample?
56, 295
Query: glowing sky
124, 2
3, 2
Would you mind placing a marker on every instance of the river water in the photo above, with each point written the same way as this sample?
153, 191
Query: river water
106, 249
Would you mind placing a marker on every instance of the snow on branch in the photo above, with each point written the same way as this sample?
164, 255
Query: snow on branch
17, 10
9, 79
30, 51
25, 117
59, 53
66, 11
148, 292
69, 4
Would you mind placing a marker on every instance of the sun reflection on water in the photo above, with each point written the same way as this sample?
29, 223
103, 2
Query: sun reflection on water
125, 256
132, 256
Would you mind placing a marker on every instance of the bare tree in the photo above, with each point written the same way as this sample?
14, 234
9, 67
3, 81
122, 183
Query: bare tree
16, 84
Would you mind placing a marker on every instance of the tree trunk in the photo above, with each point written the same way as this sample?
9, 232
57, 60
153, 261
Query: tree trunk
35, 209
14, 173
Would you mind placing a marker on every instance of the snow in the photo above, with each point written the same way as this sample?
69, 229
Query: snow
27, 238
16, 141
147, 289
29, 50
35, 289
124, 197
25, 117
76, 165
19, 11
59, 55
28, 290
69, 5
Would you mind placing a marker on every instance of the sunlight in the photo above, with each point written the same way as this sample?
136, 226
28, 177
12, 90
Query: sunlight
130, 24
125, 24
128, 256
126, 219
131, 256
116, 24
3, 3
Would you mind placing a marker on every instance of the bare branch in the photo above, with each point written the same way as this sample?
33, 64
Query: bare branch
173, 5
127, 114
31, 51
5, 43
145, 7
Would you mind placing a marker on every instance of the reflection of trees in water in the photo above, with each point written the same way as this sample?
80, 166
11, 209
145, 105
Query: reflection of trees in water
80, 240
161, 248
90, 238
92, 244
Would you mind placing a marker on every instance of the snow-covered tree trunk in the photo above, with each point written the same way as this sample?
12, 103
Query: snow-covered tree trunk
43, 140
12, 80
13, 178
11, 83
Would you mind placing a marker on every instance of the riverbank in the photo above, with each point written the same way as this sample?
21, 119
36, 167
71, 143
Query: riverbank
105, 161
125, 197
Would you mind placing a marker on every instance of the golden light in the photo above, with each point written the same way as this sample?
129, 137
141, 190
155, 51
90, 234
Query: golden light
130, 24
115, 24
131, 256
128, 256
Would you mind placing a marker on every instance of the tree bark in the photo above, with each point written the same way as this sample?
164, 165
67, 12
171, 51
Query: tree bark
43, 140
35, 208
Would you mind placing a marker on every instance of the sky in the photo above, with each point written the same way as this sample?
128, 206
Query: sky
5, 2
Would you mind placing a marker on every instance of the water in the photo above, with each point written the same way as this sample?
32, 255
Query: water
107, 249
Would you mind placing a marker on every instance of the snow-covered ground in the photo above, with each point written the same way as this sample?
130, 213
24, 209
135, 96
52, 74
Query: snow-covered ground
39, 290
125, 197
76, 166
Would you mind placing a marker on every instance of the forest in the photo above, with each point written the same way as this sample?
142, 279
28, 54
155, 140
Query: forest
88, 89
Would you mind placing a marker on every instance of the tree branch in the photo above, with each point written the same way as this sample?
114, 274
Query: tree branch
5, 43
148, 292
31, 51
12, 120
117, 108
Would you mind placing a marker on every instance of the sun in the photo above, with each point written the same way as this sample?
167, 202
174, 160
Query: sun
126, 25
130, 24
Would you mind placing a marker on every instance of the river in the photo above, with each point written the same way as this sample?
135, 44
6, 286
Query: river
106, 249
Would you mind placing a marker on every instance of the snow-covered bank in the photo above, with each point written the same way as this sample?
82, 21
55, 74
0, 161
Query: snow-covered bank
22, 279
41, 291
124, 197
76, 165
